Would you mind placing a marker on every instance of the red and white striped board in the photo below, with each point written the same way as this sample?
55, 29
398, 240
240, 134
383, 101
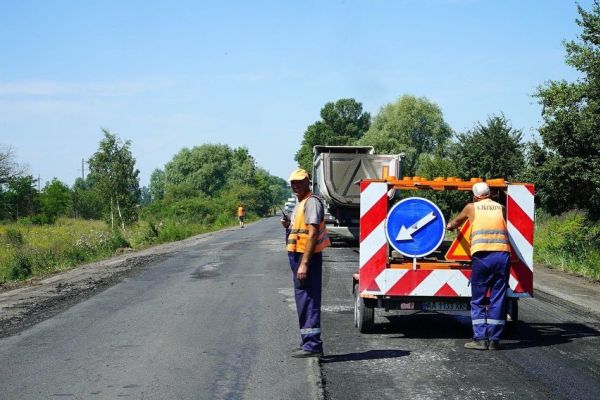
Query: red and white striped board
373, 242
520, 220
376, 279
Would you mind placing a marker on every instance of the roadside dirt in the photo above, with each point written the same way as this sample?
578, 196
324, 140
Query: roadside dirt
40, 299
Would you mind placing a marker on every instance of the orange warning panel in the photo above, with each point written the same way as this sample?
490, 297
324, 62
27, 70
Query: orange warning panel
460, 249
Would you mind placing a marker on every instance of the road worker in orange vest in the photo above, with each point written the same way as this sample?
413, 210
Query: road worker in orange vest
306, 240
241, 213
490, 255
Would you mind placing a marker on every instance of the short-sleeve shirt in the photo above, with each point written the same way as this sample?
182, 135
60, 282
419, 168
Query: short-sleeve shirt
313, 211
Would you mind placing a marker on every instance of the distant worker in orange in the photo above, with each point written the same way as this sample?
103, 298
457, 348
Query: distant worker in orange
241, 213
490, 255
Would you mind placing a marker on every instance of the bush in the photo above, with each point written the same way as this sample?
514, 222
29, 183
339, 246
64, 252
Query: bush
13, 237
224, 219
19, 267
117, 240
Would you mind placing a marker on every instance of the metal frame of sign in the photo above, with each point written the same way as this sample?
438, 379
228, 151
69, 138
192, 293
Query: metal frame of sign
391, 242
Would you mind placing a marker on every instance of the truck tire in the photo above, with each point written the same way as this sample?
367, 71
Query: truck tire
364, 317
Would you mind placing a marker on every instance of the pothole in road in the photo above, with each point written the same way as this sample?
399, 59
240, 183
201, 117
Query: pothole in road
206, 271
340, 309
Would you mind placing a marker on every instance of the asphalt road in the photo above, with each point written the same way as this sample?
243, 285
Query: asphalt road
213, 321
216, 320
553, 354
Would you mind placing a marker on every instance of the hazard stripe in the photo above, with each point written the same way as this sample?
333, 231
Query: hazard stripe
406, 284
370, 195
524, 276
460, 283
446, 291
512, 282
373, 217
371, 270
520, 245
523, 197
438, 278
520, 220
531, 188
389, 277
372, 243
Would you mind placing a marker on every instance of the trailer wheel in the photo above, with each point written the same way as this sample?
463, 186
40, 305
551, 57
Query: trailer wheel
364, 317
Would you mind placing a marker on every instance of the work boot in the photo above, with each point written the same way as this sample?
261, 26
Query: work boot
477, 344
306, 354
495, 345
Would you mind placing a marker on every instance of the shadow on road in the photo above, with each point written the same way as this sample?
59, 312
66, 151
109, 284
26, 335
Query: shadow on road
426, 326
523, 335
365, 355
547, 334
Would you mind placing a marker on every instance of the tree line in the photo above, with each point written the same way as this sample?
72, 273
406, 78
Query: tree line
213, 174
564, 163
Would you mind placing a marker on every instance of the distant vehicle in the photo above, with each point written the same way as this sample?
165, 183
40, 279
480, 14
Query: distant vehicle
336, 173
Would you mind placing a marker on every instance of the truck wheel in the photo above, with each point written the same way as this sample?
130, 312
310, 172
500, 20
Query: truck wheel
364, 317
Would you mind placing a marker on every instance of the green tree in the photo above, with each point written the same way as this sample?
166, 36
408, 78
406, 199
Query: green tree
243, 167
413, 126
566, 168
493, 150
201, 170
55, 199
87, 202
342, 123
112, 168
157, 184
22, 198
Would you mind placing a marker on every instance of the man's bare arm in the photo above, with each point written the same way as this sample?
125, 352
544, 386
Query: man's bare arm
467, 213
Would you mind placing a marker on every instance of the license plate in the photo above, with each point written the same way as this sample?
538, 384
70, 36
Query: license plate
443, 306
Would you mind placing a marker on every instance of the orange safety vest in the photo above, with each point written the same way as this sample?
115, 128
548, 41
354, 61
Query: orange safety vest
488, 232
241, 211
298, 237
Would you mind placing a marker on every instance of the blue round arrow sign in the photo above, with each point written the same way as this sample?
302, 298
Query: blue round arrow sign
415, 227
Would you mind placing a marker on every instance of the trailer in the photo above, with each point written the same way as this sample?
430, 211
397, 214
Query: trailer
401, 266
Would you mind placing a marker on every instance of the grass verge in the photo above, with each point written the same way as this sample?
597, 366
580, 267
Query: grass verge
569, 242
28, 251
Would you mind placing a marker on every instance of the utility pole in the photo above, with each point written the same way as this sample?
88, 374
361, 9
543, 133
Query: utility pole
39, 183
82, 169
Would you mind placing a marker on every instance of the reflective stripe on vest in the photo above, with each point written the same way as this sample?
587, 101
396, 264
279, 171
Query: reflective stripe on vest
489, 231
298, 237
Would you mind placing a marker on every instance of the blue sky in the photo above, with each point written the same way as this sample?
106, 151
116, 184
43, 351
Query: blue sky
168, 75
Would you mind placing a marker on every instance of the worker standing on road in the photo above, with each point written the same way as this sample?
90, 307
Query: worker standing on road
490, 254
306, 240
241, 212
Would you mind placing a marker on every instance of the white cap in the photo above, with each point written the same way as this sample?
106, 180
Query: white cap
481, 189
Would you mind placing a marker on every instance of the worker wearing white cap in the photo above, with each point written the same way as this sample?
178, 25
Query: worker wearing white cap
490, 255
306, 240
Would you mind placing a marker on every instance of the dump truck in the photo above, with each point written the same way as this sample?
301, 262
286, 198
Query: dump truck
402, 265
336, 172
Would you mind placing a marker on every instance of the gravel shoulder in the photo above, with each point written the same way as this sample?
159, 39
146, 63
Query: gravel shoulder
40, 299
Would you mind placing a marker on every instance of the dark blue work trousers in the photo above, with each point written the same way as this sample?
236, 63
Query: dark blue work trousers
308, 300
490, 270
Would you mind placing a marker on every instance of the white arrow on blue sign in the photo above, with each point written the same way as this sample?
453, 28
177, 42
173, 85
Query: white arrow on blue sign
415, 227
